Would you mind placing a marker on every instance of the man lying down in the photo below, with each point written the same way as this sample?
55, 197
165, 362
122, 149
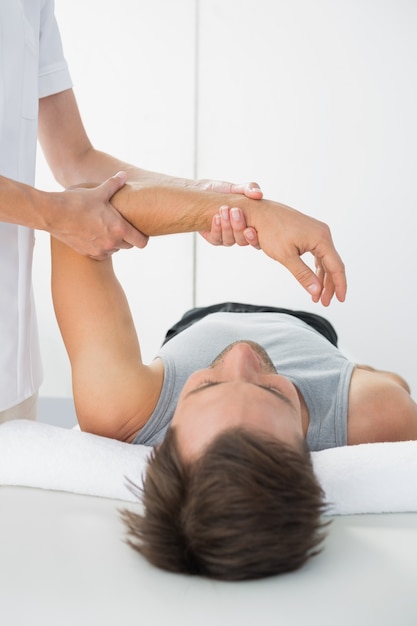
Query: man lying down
234, 401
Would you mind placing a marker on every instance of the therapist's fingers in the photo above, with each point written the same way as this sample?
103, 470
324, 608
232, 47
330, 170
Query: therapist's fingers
232, 226
249, 189
130, 235
251, 237
229, 227
244, 235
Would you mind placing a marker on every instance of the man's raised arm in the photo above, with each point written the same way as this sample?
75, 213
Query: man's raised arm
114, 392
284, 234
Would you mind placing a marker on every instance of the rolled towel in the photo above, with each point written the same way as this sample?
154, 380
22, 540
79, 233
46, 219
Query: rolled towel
367, 478
33, 454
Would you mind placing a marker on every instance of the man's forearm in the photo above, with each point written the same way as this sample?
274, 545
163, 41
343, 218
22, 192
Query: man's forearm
164, 209
284, 234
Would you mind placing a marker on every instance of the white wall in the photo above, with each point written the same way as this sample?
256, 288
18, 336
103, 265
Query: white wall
318, 100
314, 100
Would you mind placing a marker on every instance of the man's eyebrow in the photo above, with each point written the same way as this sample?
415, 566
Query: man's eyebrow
272, 390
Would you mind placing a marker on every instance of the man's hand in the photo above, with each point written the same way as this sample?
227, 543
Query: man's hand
286, 234
229, 227
86, 221
283, 233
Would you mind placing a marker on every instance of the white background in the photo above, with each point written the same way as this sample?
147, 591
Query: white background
315, 100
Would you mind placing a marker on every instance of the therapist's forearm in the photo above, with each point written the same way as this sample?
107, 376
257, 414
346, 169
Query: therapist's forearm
23, 204
95, 165
68, 150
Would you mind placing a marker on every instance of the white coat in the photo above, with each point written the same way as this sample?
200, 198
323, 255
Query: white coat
32, 66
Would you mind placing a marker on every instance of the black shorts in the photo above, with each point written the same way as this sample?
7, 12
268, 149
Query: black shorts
319, 323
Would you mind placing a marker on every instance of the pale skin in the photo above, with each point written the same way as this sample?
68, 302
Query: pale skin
84, 218
243, 389
240, 389
284, 234
115, 392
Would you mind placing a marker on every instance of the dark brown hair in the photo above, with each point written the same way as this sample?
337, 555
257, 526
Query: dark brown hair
250, 507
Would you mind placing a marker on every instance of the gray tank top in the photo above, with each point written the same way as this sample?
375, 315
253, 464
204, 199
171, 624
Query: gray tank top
318, 369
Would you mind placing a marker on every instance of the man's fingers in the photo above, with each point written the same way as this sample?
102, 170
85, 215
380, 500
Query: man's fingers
323, 286
334, 276
305, 276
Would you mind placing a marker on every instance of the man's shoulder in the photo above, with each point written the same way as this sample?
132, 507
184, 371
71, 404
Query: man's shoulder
380, 409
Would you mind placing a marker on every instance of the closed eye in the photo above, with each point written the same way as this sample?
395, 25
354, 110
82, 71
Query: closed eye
206, 384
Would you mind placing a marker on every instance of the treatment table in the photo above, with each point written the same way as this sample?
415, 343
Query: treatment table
64, 561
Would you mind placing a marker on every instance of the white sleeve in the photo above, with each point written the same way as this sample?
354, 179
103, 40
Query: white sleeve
54, 75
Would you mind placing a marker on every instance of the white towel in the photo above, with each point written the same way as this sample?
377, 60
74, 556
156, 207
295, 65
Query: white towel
368, 478
33, 454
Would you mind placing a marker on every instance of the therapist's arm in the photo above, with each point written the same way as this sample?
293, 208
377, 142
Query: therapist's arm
85, 220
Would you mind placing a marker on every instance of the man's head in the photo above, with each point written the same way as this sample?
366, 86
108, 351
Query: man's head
231, 493
249, 507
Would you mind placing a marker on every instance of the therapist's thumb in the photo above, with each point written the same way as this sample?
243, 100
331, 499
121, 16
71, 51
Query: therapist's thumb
113, 184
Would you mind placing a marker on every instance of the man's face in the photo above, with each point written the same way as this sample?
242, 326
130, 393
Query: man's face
240, 389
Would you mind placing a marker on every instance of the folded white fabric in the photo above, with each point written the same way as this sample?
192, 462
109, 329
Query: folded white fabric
368, 478
33, 454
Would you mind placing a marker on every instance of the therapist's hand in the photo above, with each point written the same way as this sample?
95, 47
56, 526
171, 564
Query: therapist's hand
250, 190
229, 227
86, 220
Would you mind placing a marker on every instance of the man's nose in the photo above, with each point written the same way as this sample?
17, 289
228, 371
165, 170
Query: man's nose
242, 362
